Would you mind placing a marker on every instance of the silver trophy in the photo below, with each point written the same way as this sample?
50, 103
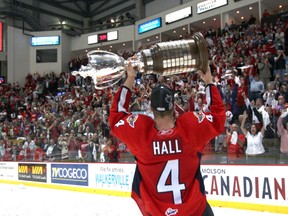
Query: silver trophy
165, 58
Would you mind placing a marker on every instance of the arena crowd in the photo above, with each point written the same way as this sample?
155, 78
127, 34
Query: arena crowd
64, 118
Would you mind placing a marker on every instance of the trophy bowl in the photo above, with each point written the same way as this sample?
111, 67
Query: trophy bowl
165, 58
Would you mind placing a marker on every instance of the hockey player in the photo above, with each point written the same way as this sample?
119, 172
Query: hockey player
168, 151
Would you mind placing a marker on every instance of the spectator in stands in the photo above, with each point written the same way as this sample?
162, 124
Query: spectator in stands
87, 132
237, 99
269, 95
282, 126
72, 146
2, 149
83, 147
252, 20
94, 141
254, 138
265, 13
29, 146
270, 140
234, 143
283, 87
121, 150
53, 151
256, 87
190, 97
280, 63
257, 113
44, 144
15, 151
63, 145
279, 106
219, 140
279, 40
110, 151
264, 70
199, 105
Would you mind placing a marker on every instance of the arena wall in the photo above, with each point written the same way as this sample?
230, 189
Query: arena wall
250, 187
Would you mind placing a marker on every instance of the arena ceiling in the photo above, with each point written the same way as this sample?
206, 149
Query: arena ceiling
73, 12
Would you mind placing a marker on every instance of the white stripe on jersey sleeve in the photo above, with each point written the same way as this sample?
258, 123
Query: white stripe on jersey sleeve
206, 108
121, 102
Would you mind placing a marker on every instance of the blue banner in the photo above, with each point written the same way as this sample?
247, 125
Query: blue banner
150, 25
72, 174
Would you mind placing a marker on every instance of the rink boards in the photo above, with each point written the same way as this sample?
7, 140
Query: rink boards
262, 188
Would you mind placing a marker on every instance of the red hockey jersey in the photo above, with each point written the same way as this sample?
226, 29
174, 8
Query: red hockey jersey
168, 179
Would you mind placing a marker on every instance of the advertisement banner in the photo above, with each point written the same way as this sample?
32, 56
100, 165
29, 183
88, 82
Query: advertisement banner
71, 174
32, 172
8, 171
149, 25
178, 15
266, 185
114, 177
209, 5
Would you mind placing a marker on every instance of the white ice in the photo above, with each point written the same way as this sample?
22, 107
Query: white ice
21, 200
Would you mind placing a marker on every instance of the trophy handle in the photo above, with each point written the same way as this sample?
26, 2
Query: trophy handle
203, 51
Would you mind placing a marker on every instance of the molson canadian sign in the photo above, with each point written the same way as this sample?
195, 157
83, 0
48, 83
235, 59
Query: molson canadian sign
266, 185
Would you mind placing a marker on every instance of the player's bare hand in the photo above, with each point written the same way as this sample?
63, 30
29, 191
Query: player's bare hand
206, 77
131, 72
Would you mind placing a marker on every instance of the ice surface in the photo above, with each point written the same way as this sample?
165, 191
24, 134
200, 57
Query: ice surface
21, 200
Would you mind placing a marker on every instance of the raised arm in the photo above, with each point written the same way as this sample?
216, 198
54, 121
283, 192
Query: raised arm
263, 129
215, 106
131, 75
243, 129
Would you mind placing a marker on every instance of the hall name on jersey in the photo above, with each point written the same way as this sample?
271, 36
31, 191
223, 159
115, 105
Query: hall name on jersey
166, 147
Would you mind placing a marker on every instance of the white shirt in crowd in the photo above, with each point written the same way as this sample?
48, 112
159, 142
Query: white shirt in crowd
254, 144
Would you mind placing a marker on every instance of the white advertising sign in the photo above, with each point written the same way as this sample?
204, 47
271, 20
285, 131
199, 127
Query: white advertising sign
178, 15
114, 177
209, 5
92, 39
8, 171
113, 35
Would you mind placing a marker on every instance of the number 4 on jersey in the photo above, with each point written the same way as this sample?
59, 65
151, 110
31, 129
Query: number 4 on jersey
171, 170
121, 122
